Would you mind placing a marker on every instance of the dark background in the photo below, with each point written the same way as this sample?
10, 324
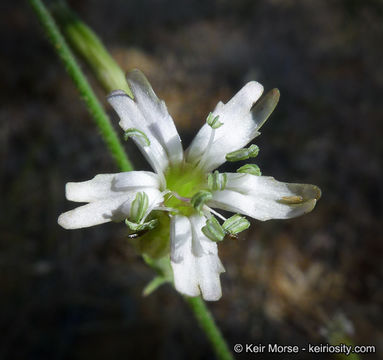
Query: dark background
77, 294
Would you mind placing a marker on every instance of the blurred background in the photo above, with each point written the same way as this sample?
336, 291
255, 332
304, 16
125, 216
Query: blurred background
315, 279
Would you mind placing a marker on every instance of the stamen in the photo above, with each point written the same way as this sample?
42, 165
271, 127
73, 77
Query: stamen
200, 198
214, 124
179, 197
215, 212
252, 169
150, 225
243, 154
165, 208
235, 224
139, 206
213, 121
154, 204
138, 134
217, 181
213, 230
291, 200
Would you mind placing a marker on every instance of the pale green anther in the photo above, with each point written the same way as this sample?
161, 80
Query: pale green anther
213, 121
213, 230
243, 154
200, 198
139, 206
253, 150
217, 181
146, 226
140, 135
235, 224
252, 169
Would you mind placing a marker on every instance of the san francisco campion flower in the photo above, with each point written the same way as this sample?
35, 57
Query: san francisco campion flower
176, 201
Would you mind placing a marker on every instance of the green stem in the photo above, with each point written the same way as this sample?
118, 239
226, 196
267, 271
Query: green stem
100, 117
208, 325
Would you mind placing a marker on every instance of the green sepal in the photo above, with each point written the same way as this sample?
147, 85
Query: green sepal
252, 169
163, 269
154, 284
154, 243
213, 230
235, 224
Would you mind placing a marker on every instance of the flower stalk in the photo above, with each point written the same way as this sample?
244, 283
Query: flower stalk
207, 324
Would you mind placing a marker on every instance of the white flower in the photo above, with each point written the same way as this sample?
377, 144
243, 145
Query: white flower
183, 184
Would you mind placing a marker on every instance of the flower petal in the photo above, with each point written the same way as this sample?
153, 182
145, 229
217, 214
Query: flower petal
265, 198
131, 117
241, 122
180, 233
148, 114
114, 208
201, 244
193, 274
104, 186
136, 179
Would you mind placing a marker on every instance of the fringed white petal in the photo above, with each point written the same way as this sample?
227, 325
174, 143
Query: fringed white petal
113, 208
148, 114
194, 274
241, 122
104, 186
265, 198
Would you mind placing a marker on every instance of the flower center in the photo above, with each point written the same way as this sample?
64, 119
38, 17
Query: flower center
184, 181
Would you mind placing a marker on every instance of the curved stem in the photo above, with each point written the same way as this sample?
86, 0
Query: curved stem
208, 325
100, 117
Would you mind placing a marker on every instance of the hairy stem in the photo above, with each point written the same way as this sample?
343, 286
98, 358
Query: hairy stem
95, 108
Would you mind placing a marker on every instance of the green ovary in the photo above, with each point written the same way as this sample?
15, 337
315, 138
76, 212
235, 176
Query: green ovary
184, 180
